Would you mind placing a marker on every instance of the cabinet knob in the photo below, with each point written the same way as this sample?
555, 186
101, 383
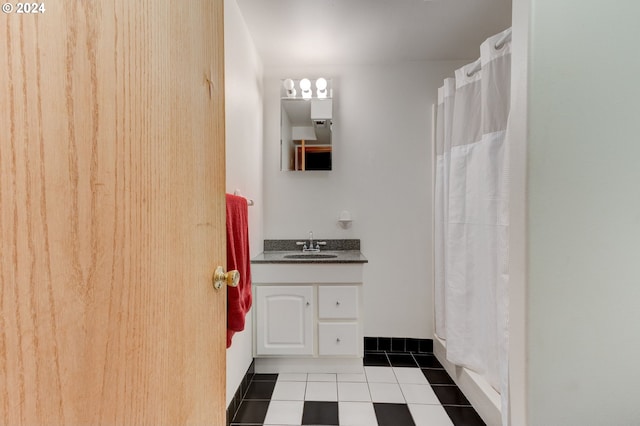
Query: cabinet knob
337, 303
338, 340
308, 304
231, 278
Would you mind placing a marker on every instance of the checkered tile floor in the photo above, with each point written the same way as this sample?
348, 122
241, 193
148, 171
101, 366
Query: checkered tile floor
394, 389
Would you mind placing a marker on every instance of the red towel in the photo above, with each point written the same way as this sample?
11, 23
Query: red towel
238, 298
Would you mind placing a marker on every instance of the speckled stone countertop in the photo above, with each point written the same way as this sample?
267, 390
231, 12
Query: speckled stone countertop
336, 251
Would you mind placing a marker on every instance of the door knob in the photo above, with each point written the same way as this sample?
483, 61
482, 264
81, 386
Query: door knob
231, 278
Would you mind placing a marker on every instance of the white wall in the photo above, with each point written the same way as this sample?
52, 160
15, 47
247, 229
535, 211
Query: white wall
244, 132
583, 214
381, 174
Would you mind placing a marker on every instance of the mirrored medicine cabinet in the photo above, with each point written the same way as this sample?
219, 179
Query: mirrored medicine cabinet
306, 119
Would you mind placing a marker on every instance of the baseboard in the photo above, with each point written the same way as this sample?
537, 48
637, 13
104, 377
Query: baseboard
242, 389
478, 391
398, 344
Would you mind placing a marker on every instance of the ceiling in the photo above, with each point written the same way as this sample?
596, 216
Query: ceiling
332, 32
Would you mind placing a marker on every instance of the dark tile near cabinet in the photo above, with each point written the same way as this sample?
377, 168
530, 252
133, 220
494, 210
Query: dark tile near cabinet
427, 361
252, 412
265, 377
370, 344
450, 395
260, 390
402, 360
464, 416
437, 377
384, 343
393, 415
375, 359
320, 413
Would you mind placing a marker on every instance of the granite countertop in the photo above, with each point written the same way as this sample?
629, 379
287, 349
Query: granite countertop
286, 251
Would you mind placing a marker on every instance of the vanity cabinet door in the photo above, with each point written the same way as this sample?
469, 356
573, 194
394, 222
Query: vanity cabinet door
284, 320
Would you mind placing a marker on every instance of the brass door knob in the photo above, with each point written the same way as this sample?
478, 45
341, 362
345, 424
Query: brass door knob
231, 278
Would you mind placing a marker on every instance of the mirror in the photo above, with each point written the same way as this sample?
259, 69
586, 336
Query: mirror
306, 118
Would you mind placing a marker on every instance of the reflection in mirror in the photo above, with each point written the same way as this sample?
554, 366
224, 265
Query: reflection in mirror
306, 109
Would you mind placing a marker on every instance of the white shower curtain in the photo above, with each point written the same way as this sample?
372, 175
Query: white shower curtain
471, 239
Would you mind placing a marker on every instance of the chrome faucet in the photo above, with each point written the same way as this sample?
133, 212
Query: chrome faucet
311, 247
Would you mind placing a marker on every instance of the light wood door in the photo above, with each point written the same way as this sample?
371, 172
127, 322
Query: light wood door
112, 214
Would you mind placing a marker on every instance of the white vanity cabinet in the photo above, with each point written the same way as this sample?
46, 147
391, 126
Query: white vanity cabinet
307, 317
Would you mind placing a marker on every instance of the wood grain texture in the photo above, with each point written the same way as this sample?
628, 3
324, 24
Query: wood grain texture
112, 214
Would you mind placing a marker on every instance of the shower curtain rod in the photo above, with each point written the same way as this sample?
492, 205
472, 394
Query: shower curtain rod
477, 65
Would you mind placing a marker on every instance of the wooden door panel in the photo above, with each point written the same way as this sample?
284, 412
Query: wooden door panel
112, 214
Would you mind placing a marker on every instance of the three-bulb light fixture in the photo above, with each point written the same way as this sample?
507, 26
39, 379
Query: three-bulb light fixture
305, 88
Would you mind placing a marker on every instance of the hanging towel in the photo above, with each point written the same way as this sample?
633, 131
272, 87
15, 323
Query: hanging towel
238, 298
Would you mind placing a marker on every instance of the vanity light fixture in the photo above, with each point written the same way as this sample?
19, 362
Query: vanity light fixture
289, 86
305, 87
321, 86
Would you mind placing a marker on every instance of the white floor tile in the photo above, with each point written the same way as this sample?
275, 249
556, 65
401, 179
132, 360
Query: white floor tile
314, 377
419, 394
357, 414
386, 392
284, 413
380, 375
429, 415
292, 377
346, 377
321, 391
353, 392
289, 391
410, 375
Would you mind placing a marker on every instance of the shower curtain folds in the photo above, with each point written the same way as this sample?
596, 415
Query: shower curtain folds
471, 214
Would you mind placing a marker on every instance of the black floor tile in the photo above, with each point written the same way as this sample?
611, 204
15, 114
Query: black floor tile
260, 390
450, 395
427, 361
251, 412
437, 377
402, 360
464, 416
265, 377
320, 413
376, 359
393, 415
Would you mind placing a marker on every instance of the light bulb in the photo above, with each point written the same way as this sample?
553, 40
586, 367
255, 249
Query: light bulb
305, 86
321, 84
289, 86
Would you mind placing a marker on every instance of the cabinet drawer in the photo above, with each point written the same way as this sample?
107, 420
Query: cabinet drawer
338, 338
338, 302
